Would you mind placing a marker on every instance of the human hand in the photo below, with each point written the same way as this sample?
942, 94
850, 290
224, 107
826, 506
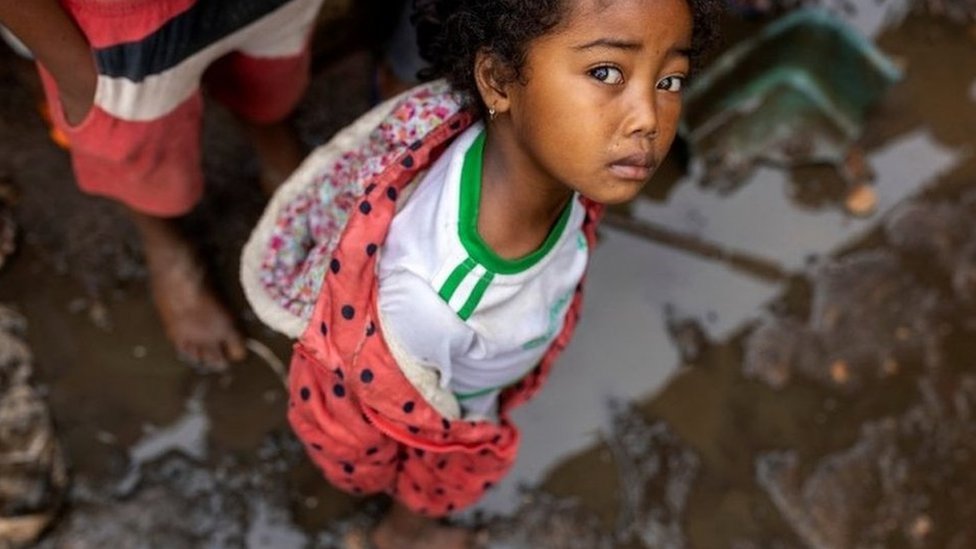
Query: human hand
77, 92
60, 47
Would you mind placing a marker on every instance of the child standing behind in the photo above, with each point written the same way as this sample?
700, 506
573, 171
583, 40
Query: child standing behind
430, 258
122, 79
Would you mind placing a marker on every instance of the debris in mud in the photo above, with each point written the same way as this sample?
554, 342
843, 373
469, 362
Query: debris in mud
957, 11
942, 232
33, 477
180, 503
771, 99
907, 481
546, 521
8, 229
869, 316
656, 473
187, 436
687, 335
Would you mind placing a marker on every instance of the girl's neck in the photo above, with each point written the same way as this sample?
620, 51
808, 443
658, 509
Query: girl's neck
519, 204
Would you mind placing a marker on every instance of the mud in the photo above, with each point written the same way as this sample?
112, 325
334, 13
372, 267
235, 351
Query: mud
33, 477
793, 379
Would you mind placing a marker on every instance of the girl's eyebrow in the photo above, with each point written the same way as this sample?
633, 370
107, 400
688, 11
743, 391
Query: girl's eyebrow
621, 44
616, 43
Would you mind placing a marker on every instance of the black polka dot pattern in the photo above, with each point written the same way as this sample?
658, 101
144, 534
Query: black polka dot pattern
370, 187
391, 193
407, 161
365, 207
371, 329
334, 266
338, 390
366, 376
348, 312
372, 450
324, 329
348, 468
408, 407
371, 250
305, 393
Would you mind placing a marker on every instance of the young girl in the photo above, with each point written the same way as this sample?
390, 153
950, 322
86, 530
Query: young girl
430, 257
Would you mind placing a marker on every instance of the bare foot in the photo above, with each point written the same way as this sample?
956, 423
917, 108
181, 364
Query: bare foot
197, 323
404, 529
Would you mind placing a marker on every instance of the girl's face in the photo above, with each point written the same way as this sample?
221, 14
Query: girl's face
599, 105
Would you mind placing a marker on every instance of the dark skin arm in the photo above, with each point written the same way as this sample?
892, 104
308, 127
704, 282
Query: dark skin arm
59, 45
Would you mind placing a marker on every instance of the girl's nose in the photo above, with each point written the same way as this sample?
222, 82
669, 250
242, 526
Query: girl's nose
642, 117
643, 121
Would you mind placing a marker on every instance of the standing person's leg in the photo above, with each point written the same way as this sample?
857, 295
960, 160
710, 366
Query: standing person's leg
263, 82
194, 319
137, 142
153, 169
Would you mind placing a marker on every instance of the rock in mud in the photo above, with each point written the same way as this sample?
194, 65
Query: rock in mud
544, 520
33, 477
906, 482
180, 503
777, 348
869, 316
942, 233
657, 471
8, 229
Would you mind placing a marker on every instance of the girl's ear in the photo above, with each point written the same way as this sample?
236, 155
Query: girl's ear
489, 73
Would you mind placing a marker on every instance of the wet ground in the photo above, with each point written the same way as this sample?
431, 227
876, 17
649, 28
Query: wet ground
753, 369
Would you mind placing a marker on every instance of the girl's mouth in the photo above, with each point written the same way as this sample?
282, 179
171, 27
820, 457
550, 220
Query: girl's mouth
636, 167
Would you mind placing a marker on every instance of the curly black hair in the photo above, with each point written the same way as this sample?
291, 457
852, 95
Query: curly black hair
451, 33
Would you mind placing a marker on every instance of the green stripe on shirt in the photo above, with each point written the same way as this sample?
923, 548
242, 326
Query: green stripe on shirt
455, 278
476, 294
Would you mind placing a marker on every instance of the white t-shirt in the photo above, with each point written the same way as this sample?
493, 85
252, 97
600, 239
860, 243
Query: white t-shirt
448, 302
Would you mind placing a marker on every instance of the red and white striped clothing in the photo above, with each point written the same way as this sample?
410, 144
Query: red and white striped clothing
140, 143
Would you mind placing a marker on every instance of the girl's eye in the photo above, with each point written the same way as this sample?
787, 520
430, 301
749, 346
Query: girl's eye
671, 83
608, 75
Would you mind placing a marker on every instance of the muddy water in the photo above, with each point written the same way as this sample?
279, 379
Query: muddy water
814, 392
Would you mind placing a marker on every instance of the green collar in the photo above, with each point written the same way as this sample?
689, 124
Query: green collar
468, 219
